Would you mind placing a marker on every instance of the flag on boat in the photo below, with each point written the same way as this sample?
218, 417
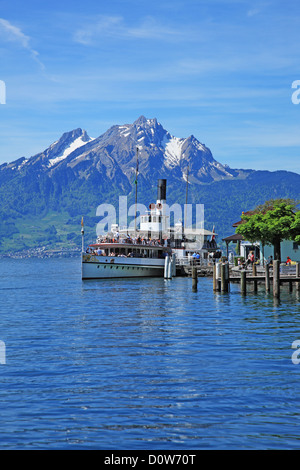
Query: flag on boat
82, 222
213, 237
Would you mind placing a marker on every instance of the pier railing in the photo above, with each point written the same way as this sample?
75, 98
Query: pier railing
188, 261
270, 276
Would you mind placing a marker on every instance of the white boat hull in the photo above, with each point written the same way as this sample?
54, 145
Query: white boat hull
101, 267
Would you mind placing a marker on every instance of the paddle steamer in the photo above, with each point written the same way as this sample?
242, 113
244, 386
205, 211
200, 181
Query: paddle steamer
152, 250
144, 253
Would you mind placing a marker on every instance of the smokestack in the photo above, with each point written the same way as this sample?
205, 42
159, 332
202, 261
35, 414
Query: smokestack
162, 190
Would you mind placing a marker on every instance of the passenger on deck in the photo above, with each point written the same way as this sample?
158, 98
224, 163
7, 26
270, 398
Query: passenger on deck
288, 260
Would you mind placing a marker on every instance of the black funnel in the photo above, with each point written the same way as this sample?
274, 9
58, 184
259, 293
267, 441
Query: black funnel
162, 190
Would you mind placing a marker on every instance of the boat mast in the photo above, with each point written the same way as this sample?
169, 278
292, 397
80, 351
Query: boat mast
82, 235
136, 176
186, 197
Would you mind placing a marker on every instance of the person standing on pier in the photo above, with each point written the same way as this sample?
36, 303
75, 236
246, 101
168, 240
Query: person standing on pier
250, 259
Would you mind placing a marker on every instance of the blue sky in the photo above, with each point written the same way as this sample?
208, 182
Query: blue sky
221, 70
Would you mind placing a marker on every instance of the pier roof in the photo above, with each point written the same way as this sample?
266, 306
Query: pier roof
233, 238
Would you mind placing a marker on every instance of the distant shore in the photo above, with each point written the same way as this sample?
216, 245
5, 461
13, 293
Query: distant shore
42, 252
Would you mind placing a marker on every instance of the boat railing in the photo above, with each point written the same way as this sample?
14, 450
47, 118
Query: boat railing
131, 241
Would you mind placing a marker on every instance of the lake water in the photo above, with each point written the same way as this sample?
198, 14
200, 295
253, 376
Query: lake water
143, 364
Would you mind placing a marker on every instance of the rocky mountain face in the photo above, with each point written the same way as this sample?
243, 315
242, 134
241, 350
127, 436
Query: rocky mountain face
77, 173
113, 155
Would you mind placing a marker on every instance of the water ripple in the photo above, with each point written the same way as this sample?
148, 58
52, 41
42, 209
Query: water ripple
143, 364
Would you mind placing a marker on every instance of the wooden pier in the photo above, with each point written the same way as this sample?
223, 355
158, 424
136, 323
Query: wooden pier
272, 278
186, 267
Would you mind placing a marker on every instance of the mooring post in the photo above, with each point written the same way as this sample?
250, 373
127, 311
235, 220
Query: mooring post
267, 277
170, 267
298, 275
276, 278
166, 268
227, 275
254, 272
243, 282
174, 265
215, 280
224, 279
195, 278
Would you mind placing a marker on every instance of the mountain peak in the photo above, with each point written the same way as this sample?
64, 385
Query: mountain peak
114, 152
68, 143
140, 121
75, 134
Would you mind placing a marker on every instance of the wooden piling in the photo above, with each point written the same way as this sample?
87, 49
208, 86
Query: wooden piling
267, 277
276, 278
194, 278
224, 278
298, 275
223, 281
243, 282
228, 276
254, 272
215, 280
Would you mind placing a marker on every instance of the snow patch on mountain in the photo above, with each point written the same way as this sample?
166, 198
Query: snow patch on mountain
77, 143
172, 151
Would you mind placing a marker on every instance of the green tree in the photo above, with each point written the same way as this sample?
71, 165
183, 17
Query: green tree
296, 226
271, 223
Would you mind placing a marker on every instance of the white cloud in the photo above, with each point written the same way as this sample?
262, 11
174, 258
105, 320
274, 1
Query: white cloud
253, 12
14, 34
115, 26
105, 25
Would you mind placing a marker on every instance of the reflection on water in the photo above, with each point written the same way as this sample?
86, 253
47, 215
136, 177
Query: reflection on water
143, 364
